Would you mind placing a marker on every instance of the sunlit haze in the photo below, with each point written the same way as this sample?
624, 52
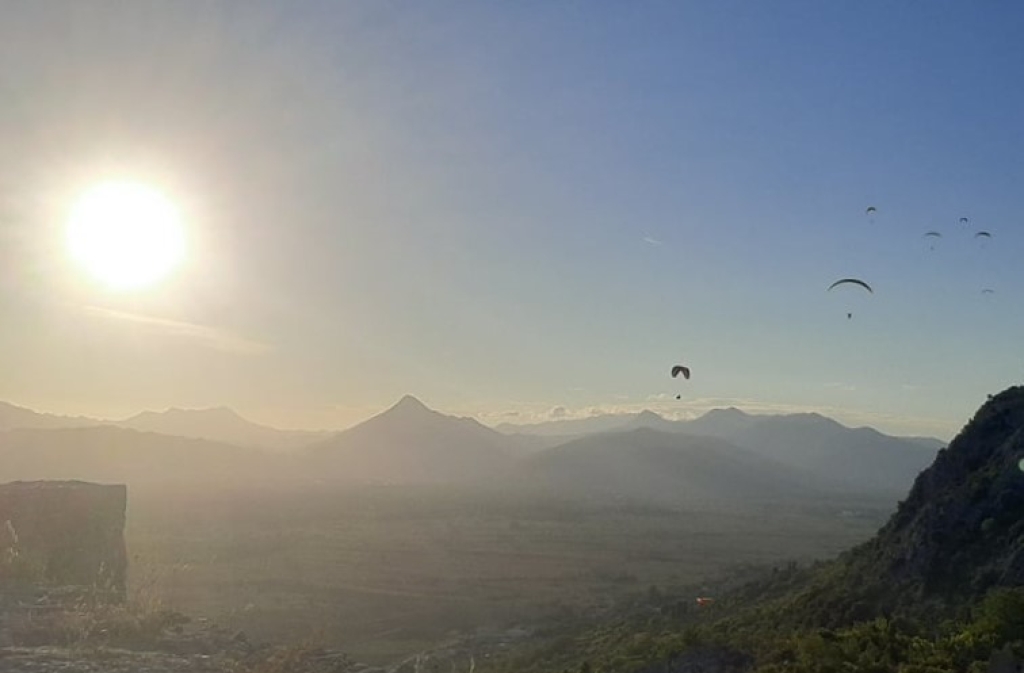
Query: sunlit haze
514, 211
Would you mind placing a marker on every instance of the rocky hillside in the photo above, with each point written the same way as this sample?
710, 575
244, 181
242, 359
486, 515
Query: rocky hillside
958, 534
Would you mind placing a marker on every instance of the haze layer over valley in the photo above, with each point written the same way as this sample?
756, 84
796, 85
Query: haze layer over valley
415, 523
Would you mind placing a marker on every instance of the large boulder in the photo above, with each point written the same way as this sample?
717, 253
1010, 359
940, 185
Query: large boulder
61, 533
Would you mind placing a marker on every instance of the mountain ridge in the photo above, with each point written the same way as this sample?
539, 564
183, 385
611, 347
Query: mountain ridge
220, 424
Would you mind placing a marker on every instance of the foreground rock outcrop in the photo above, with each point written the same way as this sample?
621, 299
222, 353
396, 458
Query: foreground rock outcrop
60, 533
62, 558
958, 534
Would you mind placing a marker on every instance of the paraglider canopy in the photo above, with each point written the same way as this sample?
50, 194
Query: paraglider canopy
703, 601
851, 281
983, 234
871, 210
680, 369
964, 220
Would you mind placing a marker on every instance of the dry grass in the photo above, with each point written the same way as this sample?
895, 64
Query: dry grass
89, 621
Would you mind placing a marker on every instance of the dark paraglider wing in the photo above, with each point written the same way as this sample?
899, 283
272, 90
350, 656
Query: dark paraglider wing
680, 369
983, 234
933, 234
871, 210
851, 281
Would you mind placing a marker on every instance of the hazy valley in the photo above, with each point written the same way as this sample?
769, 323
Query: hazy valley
398, 534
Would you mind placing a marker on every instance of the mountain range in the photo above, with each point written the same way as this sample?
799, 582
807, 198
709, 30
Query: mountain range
218, 425
652, 466
824, 451
726, 454
221, 424
110, 454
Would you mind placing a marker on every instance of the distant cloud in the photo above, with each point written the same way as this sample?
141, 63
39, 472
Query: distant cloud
652, 241
558, 412
838, 385
210, 337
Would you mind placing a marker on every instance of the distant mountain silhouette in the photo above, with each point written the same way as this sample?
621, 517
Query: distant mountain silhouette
852, 459
661, 467
220, 425
649, 419
959, 533
12, 417
829, 454
110, 454
722, 422
569, 427
410, 443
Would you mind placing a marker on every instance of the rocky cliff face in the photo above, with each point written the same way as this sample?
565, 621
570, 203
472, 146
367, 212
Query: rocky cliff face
959, 533
63, 533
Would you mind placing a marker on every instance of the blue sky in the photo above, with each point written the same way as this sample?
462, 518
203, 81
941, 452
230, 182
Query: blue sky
504, 208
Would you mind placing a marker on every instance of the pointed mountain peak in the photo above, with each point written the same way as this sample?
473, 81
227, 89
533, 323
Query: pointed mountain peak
648, 415
410, 405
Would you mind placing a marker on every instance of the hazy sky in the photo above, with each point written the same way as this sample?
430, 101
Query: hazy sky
508, 207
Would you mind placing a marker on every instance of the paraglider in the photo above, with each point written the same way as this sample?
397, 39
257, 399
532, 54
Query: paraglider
988, 290
870, 212
854, 281
676, 371
983, 234
932, 235
964, 220
851, 281
704, 601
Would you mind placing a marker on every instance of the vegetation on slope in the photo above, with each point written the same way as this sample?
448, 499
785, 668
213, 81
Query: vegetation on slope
937, 589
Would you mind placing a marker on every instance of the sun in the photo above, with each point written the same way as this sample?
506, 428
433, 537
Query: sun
125, 235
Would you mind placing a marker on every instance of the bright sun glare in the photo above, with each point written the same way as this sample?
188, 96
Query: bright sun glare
126, 235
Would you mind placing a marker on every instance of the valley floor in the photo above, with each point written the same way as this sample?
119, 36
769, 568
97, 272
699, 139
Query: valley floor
386, 573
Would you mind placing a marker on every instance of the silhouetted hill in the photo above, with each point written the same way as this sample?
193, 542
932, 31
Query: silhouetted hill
649, 419
410, 443
660, 467
569, 427
220, 425
108, 454
722, 422
12, 417
959, 533
830, 455
855, 460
